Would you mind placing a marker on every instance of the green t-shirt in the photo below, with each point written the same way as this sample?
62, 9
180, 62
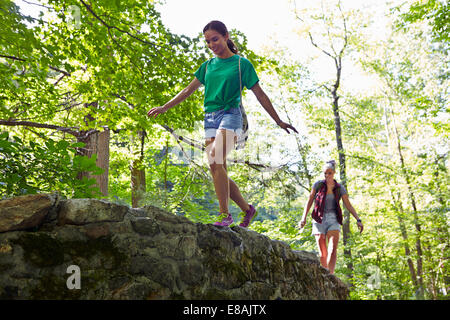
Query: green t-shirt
221, 81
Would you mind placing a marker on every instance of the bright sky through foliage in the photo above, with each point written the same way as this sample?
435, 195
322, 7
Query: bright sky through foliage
262, 21
266, 21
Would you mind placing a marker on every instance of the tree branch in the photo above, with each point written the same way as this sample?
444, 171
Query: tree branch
51, 67
372, 161
37, 4
88, 7
11, 57
13, 123
328, 29
345, 30
315, 45
61, 71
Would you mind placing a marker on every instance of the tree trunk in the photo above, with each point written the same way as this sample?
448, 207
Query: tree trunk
337, 58
138, 184
97, 143
398, 206
166, 161
417, 278
437, 178
417, 225
342, 167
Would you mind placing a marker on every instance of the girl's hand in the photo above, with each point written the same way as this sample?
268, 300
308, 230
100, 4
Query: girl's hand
301, 223
360, 226
155, 111
286, 126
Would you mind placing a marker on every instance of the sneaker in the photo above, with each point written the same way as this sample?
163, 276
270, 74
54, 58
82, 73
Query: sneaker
248, 217
225, 219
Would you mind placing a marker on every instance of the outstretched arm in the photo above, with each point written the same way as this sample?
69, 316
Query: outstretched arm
180, 97
267, 105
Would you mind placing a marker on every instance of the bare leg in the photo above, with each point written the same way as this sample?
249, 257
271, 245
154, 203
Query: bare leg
236, 196
322, 246
333, 240
217, 151
235, 193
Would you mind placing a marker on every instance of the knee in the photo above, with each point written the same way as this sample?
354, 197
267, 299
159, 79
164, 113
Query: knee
212, 153
215, 167
214, 157
212, 168
333, 249
323, 253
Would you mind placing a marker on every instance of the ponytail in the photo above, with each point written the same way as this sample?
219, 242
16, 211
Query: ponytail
222, 29
232, 46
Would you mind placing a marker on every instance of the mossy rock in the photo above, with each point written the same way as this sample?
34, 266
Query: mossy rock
102, 246
41, 250
53, 287
231, 270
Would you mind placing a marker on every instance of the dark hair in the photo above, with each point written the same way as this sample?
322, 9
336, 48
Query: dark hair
220, 27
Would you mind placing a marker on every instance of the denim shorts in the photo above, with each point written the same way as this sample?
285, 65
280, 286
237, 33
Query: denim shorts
329, 222
230, 120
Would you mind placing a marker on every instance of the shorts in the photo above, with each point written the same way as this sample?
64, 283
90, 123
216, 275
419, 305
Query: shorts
329, 223
230, 120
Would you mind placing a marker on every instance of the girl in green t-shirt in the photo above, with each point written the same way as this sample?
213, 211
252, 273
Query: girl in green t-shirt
223, 78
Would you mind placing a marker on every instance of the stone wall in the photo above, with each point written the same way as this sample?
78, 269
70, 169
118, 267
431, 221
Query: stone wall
145, 253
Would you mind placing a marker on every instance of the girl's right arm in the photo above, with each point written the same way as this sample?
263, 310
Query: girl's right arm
302, 222
180, 97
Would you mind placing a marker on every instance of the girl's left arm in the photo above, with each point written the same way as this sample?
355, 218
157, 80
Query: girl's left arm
352, 210
267, 105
